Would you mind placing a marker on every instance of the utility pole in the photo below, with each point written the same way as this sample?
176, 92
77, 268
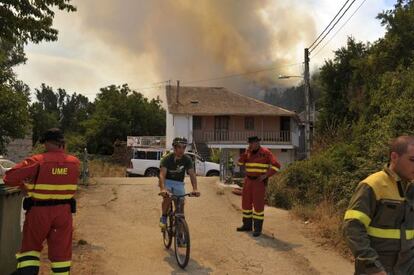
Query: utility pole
307, 105
85, 170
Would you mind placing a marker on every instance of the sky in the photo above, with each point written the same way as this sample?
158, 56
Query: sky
145, 42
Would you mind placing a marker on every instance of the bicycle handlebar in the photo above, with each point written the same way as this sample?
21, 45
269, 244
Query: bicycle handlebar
192, 194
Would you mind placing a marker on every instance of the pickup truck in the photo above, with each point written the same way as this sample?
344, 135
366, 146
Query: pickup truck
146, 162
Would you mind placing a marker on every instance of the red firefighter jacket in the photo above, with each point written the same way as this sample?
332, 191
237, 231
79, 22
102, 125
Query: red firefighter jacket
263, 162
48, 176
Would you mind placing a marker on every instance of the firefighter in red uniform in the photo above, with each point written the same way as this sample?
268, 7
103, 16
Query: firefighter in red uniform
50, 181
259, 164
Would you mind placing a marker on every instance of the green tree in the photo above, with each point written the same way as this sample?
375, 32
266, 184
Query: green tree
59, 109
119, 112
367, 94
340, 84
21, 22
75, 109
44, 112
292, 98
14, 115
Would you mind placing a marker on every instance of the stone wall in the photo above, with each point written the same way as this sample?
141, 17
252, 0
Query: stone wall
19, 149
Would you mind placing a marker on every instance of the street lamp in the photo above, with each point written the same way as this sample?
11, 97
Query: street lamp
305, 78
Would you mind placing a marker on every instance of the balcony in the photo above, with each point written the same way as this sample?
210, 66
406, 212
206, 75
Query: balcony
237, 137
145, 141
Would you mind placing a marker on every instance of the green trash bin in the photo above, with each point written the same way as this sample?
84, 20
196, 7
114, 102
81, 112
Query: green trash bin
10, 227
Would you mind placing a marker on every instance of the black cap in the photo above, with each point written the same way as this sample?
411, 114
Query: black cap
53, 134
253, 139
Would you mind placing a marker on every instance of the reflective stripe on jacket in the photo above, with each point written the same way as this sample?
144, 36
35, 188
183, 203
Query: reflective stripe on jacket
379, 224
49, 176
260, 163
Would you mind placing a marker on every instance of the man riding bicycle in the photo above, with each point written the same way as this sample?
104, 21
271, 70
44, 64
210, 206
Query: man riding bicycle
172, 173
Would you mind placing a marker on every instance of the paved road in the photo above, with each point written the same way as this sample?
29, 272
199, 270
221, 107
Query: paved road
118, 219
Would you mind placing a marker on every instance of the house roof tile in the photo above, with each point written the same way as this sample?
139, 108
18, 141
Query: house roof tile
218, 101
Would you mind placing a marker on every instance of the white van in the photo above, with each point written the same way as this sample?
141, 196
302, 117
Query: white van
146, 162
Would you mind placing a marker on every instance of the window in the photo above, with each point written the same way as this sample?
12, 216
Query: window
140, 155
284, 123
152, 155
249, 123
197, 122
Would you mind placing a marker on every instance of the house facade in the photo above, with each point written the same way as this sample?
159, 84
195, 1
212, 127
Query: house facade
216, 118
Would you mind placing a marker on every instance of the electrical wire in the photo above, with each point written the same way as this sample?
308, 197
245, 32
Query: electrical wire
160, 84
343, 6
343, 25
337, 21
238, 74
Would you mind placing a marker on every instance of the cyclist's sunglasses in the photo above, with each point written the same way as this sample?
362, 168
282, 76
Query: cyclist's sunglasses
181, 146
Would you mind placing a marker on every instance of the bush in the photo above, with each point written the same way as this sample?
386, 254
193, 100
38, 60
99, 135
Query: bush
75, 143
366, 99
38, 148
215, 155
279, 195
330, 175
99, 167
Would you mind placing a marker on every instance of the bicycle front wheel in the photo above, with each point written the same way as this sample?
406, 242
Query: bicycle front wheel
167, 233
182, 242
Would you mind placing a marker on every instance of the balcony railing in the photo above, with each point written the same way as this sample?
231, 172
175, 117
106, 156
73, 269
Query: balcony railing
225, 136
145, 141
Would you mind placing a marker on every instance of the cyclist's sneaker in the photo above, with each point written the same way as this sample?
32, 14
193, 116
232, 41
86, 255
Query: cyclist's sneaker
163, 222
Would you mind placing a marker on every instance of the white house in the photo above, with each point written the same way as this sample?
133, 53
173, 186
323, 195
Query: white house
211, 117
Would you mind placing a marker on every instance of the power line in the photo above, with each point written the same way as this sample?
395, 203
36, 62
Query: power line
337, 21
238, 74
154, 85
160, 84
343, 6
343, 25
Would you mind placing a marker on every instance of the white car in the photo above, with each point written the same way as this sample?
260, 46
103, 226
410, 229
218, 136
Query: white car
146, 162
5, 165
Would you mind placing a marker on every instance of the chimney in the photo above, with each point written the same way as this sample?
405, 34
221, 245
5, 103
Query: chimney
168, 87
178, 92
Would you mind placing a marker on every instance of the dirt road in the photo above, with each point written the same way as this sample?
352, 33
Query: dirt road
118, 219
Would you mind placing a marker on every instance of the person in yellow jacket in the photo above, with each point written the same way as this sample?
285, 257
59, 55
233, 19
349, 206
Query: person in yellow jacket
379, 223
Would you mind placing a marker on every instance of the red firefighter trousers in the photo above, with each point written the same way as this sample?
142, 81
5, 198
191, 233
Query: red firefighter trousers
51, 223
253, 197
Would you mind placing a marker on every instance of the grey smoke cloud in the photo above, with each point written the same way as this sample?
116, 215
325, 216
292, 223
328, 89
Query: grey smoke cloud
197, 39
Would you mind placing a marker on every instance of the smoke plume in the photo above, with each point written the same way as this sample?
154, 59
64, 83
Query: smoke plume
198, 39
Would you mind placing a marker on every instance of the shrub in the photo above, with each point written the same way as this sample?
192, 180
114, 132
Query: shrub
75, 143
330, 175
103, 168
215, 155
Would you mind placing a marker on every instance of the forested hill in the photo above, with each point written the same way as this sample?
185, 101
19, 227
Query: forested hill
366, 98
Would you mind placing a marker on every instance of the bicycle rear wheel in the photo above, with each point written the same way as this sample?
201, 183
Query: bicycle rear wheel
182, 242
167, 233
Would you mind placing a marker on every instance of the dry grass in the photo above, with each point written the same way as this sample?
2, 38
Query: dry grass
101, 168
326, 225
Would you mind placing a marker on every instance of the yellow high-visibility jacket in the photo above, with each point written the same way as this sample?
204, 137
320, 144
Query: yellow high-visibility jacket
379, 225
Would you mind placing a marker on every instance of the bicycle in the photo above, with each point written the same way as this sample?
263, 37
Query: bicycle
177, 228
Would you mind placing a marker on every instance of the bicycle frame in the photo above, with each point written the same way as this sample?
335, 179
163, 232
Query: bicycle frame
178, 225
178, 208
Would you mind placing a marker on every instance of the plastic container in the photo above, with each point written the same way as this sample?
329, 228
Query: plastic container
10, 227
